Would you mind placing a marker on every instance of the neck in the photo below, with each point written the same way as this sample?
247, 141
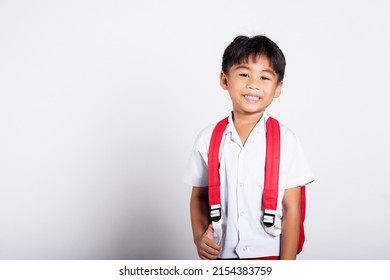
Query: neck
246, 119
245, 123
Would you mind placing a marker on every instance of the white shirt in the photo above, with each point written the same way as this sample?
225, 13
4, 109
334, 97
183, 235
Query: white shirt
242, 179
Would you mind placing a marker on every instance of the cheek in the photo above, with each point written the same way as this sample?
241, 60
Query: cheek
237, 86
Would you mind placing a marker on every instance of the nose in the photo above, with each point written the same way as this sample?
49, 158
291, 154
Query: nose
252, 84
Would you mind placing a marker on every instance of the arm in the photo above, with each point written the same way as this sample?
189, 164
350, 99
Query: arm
201, 227
290, 223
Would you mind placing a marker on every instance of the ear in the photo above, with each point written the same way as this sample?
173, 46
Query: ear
278, 89
223, 81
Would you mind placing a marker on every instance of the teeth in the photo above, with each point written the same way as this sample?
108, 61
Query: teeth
252, 97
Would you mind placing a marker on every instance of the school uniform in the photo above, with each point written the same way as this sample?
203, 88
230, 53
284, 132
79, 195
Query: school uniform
242, 181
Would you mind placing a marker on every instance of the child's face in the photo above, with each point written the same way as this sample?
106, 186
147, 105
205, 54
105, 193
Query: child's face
251, 85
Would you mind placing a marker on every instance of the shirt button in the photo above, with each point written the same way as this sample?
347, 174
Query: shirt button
242, 213
241, 185
245, 248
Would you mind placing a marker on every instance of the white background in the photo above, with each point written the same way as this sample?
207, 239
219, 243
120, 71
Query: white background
100, 102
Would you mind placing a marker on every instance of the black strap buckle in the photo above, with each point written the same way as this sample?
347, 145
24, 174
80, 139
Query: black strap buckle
269, 219
215, 214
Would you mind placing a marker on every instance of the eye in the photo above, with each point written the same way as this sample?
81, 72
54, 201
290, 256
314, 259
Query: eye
244, 75
265, 78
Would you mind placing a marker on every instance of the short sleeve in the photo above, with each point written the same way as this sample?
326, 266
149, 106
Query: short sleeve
296, 169
196, 169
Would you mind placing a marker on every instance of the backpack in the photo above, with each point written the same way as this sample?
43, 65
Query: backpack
271, 181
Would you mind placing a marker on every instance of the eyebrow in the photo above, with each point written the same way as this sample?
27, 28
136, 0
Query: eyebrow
247, 68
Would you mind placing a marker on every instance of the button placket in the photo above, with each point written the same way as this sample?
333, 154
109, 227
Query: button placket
240, 195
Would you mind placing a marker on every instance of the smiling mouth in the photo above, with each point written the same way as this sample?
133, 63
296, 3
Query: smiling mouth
251, 98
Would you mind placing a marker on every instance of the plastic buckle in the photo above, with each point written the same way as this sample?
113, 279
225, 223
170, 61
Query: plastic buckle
269, 219
215, 213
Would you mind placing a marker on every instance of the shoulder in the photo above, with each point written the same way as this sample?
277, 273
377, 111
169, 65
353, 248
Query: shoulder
291, 147
202, 140
294, 166
287, 133
288, 137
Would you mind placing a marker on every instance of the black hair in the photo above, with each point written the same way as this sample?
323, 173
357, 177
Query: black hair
243, 48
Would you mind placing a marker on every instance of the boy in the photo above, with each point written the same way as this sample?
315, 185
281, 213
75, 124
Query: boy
252, 73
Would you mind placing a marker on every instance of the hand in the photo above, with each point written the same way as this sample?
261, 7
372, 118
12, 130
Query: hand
207, 248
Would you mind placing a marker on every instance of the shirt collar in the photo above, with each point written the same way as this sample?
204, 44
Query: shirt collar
259, 128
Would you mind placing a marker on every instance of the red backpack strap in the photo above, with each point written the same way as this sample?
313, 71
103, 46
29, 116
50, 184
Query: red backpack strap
271, 180
214, 188
271, 175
